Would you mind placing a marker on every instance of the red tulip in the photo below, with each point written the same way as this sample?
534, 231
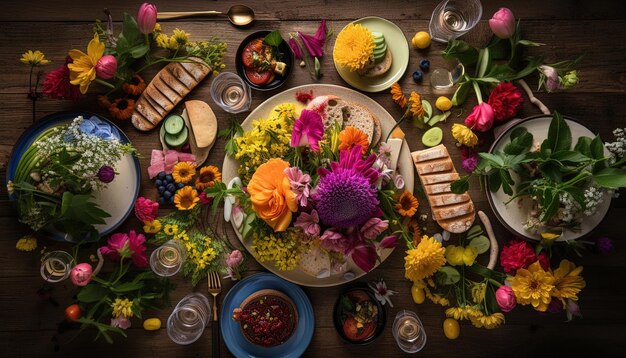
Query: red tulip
146, 18
502, 23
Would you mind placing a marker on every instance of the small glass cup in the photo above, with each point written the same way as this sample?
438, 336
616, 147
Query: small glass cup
454, 18
443, 78
167, 259
409, 332
189, 318
56, 266
231, 93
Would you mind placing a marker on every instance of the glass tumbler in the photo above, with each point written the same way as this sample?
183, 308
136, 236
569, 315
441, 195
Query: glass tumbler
56, 266
409, 332
231, 93
442, 78
454, 18
189, 318
168, 258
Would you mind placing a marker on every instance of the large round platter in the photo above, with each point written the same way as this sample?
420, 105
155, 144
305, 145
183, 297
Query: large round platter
117, 199
399, 48
513, 215
405, 164
235, 340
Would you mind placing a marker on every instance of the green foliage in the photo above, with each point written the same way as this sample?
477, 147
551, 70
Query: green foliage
234, 130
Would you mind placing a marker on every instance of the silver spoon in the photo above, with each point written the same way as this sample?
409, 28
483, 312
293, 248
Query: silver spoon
238, 15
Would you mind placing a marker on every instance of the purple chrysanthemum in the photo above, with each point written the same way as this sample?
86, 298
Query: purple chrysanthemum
106, 174
604, 244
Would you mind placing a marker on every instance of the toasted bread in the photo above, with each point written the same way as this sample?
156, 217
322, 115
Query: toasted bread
453, 212
203, 122
380, 68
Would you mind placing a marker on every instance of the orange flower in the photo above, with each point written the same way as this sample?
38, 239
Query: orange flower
416, 105
407, 204
122, 108
415, 229
352, 136
397, 95
134, 86
207, 177
186, 198
271, 195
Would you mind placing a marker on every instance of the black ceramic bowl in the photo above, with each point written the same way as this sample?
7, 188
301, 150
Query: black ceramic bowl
341, 315
287, 58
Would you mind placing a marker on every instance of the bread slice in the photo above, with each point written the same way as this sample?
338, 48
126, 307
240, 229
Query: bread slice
315, 263
382, 67
453, 212
378, 132
330, 108
359, 117
203, 123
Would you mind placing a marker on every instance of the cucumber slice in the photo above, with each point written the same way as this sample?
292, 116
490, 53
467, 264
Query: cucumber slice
174, 124
177, 140
380, 50
432, 137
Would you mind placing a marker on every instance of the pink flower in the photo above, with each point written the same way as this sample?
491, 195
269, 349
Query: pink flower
398, 181
309, 223
481, 118
364, 256
381, 292
551, 78
57, 83
469, 163
502, 23
234, 259
374, 227
308, 129
121, 245
297, 53
389, 242
120, 322
204, 199
106, 67
506, 298
315, 44
81, 274
300, 184
334, 241
146, 18
505, 100
544, 261
146, 209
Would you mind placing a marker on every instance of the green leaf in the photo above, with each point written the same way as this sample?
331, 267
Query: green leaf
583, 145
92, 293
570, 156
611, 178
461, 185
447, 275
139, 51
495, 159
480, 243
462, 51
521, 142
529, 43
484, 60
127, 287
559, 134
551, 170
474, 231
597, 152
461, 93
550, 202
273, 38
494, 181
487, 80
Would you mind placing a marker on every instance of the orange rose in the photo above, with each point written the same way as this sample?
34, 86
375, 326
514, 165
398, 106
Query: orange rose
271, 195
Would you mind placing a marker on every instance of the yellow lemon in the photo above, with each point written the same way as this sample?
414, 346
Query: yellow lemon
418, 295
152, 324
451, 328
443, 103
421, 40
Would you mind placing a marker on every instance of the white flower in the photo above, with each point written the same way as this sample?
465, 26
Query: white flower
381, 292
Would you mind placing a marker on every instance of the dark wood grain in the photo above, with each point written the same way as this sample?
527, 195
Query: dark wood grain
568, 28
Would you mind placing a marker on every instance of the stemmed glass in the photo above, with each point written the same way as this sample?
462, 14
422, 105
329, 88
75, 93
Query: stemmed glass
189, 318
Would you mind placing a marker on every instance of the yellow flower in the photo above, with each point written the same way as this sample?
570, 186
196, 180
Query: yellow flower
171, 229
83, 69
162, 40
354, 47
424, 260
469, 255
407, 204
478, 292
183, 172
281, 249
186, 198
567, 281
464, 135
26, 243
458, 313
157, 28
488, 322
207, 177
416, 105
178, 39
122, 308
397, 95
458, 255
533, 286
36, 58
436, 298
152, 227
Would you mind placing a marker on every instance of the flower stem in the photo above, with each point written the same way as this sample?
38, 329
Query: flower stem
479, 95
397, 124
105, 83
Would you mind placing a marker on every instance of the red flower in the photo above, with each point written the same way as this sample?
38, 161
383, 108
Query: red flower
57, 83
505, 100
131, 245
544, 261
481, 118
516, 255
146, 209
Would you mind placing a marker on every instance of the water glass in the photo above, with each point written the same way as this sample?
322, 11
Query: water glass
409, 332
231, 93
168, 258
189, 318
442, 78
453, 18
56, 266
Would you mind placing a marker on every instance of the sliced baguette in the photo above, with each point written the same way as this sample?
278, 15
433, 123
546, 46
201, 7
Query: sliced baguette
382, 67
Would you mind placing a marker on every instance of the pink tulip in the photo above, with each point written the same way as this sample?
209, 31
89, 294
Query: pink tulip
234, 259
146, 18
506, 298
81, 274
552, 80
374, 227
502, 23
106, 67
389, 242
481, 118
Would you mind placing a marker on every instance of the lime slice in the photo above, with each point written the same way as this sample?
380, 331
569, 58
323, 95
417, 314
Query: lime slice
174, 124
432, 137
176, 140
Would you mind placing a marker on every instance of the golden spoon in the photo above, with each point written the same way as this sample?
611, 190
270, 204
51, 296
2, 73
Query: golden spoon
238, 15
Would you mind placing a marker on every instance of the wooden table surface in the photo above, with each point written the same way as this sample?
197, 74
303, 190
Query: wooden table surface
568, 28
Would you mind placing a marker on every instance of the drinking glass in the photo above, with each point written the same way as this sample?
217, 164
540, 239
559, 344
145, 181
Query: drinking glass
189, 318
56, 266
231, 93
409, 332
453, 18
168, 258
442, 78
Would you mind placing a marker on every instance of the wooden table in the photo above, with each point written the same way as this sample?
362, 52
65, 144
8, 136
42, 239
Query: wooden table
568, 29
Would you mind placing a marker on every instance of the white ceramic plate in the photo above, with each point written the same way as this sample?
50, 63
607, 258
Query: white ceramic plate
513, 215
405, 164
397, 44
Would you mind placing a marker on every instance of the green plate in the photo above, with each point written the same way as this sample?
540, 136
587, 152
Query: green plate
399, 47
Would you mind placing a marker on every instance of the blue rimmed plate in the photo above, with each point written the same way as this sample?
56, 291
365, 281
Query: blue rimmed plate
237, 343
117, 199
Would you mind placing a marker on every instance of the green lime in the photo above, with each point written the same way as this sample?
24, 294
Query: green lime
432, 137
174, 124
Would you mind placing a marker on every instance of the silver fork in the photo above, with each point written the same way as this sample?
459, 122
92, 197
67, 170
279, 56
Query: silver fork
215, 287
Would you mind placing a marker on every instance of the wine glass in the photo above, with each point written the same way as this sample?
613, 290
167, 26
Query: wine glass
454, 18
56, 266
231, 93
167, 259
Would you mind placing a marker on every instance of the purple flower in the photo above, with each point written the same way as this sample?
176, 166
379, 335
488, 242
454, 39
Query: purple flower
364, 256
308, 129
106, 174
334, 241
381, 292
573, 309
604, 245
315, 44
551, 76
309, 223
555, 305
469, 163
374, 227
300, 184
120, 322
389, 242
297, 53
398, 181
234, 259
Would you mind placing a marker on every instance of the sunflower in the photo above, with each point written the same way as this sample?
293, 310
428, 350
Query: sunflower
351, 137
397, 95
458, 313
122, 108
83, 68
416, 105
152, 227
183, 172
134, 86
34, 58
186, 198
533, 286
488, 322
407, 204
567, 281
207, 177
424, 260
354, 47
436, 298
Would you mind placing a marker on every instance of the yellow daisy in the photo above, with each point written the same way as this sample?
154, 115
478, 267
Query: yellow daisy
179, 38
478, 292
186, 198
83, 69
171, 229
488, 322
183, 172
34, 58
424, 260
407, 204
533, 286
397, 95
162, 40
354, 47
122, 308
567, 281
152, 227
207, 177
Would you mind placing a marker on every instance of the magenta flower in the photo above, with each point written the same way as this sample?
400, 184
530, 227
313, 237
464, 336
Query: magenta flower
57, 83
481, 118
389, 242
308, 129
604, 245
300, 184
204, 199
120, 322
364, 256
146, 209
335, 241
106, 174
234, 259
381, 292
106, 67
555, 305
146, 18
374, 227
469, 163
297, 53
502, 23
81, 274
315, 44
309, 223
506, 298
131, 245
